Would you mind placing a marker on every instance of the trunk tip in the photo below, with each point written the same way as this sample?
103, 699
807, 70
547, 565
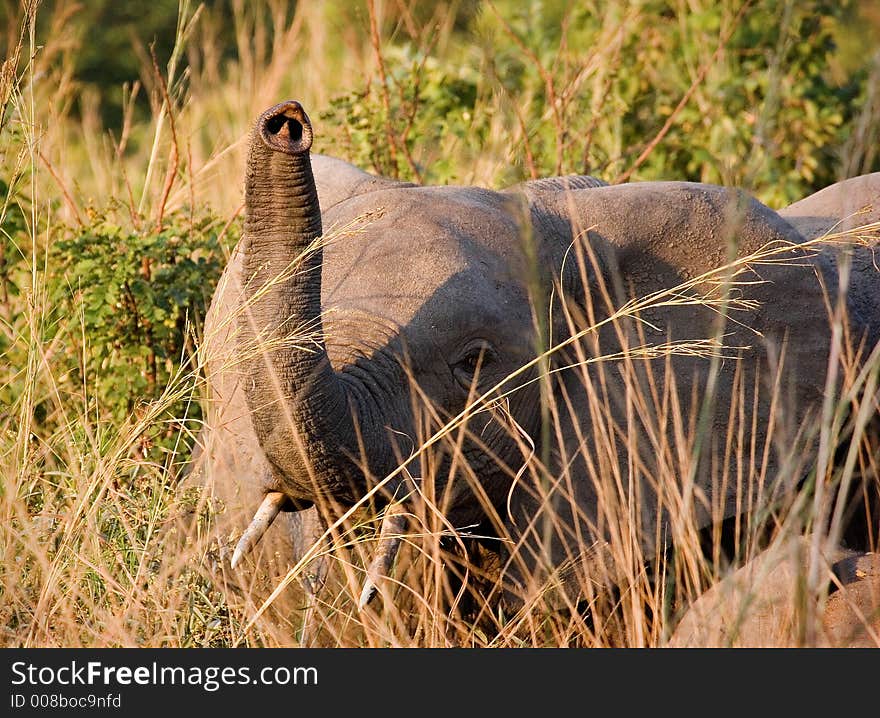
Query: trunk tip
286, 128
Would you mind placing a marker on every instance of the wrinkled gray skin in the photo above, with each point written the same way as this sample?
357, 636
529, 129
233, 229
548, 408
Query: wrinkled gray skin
437, 279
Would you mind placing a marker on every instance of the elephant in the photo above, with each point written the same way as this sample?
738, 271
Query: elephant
549, 343
764, 605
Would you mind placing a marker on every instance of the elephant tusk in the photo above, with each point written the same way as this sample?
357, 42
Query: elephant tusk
264, 517
393, 525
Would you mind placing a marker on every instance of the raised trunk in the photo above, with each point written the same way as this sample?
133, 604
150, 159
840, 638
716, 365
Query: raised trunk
303, 414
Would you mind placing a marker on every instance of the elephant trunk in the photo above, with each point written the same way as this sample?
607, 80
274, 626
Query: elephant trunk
304, 415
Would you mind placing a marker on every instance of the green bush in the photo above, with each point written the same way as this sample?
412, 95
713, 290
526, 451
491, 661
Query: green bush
13, 234
140, 296
774, 102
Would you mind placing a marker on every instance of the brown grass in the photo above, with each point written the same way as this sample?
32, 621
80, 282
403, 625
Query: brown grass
104, 548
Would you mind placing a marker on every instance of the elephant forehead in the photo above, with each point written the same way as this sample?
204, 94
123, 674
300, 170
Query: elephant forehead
430, 227
428, 309
421, 247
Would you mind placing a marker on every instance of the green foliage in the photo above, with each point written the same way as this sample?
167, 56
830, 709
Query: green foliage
13, 234
584, 88
428, 99
775, 119
138, 296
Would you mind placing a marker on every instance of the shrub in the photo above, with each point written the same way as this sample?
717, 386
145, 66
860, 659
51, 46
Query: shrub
139, 296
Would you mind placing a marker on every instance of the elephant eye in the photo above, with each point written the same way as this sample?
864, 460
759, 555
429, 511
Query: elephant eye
475, 360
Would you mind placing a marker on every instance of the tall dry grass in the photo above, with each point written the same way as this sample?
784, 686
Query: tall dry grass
103, 547
446, 590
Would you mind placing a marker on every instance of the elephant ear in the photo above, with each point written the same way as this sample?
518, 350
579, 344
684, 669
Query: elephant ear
553, 207
640, 237
337, 181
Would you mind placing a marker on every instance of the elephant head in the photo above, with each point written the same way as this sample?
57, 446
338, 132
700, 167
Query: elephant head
417, 289
362, 305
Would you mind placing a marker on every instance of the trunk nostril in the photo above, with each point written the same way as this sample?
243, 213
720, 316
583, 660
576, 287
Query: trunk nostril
285, 127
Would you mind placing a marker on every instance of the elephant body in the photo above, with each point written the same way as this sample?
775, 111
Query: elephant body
764, 605
430, 296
